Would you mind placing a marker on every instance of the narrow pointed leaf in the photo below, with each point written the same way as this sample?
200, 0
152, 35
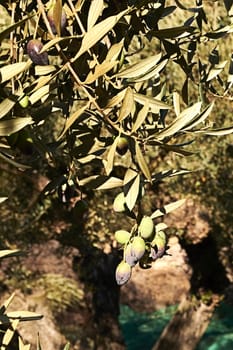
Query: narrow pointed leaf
9, 334
201, 118
24, 315
140, 68
167, 208
98, 32
176, 103
142, 163
6, 253
39, 94
99, 71
182, 120
132, 194
22, 346
127, 105
6, 303
57, 13
3, 199
11, 70
114, 51
154, 104
219, 132
111, 182
5, 106
12, 27
153, 74
110, 157
116, 99
8, 127
216, 70
142, 114
129, 176
73, 118
94, 13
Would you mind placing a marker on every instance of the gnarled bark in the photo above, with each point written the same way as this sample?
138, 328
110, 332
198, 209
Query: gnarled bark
187, 326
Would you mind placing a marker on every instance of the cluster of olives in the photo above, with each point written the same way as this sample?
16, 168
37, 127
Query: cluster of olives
144, 244
35, 46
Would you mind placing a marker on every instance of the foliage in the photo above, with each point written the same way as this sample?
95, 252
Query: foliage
103, 73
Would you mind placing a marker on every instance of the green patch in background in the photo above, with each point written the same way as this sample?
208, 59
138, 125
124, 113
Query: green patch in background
142, 330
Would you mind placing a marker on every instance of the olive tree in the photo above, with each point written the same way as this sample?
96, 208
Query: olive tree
105, 71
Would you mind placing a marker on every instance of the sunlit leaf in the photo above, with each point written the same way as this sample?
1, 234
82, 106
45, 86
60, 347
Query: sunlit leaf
176, 103
173, 32
154, 104
12, 27
110, 157
142, 162
132, 192
167, 208
57, 13
73, 118
67, 346
114, 51
116, 99
201, 118
130, 174
216, 70
218, 132
22, 346
8, 127
160, 227
7, 253
7, 337
3, 199
39, 94
24, 315
11, 70
111, 182
151, 74
99, 71
6, 303
140, 68
182, 120
142, 114
57, 40
5, 106
94, 13
44, 70
127, 105
97, 32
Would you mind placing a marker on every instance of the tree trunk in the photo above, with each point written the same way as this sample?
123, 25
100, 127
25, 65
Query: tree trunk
187, 326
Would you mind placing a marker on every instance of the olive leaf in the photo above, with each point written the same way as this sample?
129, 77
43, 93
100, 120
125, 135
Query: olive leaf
167, 208
8, 127
97, 32
95, 11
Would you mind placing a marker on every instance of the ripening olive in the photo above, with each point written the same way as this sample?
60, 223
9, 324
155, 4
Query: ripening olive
34, 47
119, 203
122, 236
138, 247
123, 273
146, 227
129, 258
24, 101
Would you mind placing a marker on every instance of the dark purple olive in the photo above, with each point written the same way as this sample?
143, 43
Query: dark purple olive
34, 47
50, 16
122, 146
123, 273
